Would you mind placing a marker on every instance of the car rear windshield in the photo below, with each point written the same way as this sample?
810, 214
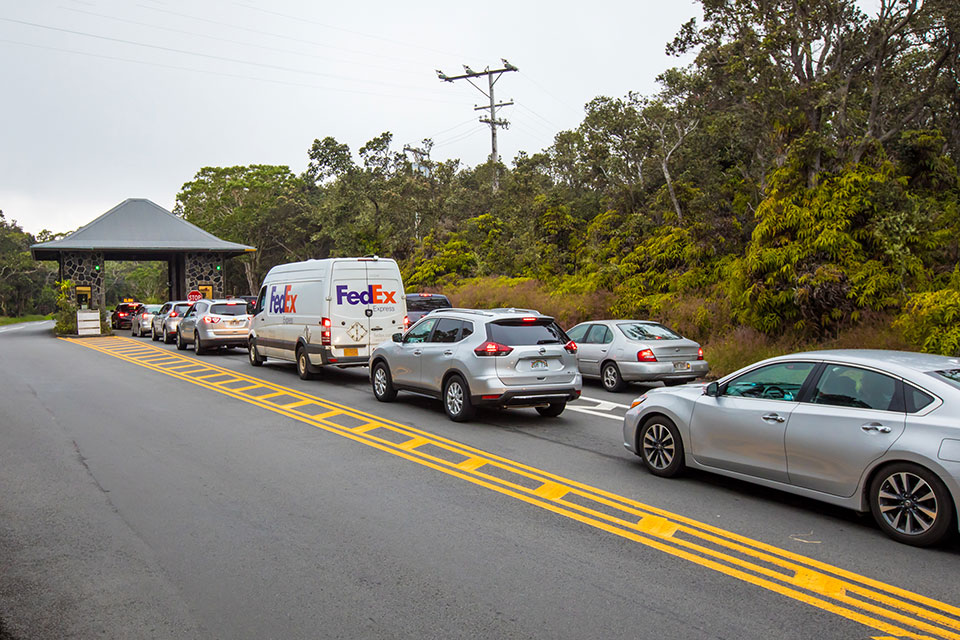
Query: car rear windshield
181, 308
950, 375
230, 309
129, 307
153, 308
416, 303
647, 331
518, 333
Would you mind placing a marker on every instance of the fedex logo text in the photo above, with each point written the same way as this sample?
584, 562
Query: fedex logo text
282, 302
374, 294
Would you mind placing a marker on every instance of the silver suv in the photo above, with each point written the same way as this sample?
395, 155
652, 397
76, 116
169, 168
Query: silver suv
210, 324
164, 323
470, 357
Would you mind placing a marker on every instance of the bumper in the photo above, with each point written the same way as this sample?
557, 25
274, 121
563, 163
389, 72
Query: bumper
322, 356
527, 398
225, 338
649, 371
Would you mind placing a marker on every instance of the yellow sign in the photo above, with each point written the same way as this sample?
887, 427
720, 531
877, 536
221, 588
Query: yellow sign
206, 291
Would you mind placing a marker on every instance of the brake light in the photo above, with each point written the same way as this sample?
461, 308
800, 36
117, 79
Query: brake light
571, 347
700, 353
325, 331
490, 348
173, 314
211, 319
529, 319
406, 322
121, 314
646, 356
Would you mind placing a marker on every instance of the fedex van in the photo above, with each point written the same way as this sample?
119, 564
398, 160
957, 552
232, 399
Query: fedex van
327, 312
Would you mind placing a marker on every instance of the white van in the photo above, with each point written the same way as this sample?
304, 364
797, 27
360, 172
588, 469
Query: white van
327, 312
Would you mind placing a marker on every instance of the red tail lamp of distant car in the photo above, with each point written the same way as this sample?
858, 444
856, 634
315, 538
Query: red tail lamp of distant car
571, 347
529, 319
646, 356
325, 325
700, 353
173, 314
490, 348
121, 314
406, 322
211, 319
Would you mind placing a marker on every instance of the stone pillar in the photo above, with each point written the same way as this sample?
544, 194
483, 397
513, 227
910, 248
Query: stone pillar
80, 268
201, 270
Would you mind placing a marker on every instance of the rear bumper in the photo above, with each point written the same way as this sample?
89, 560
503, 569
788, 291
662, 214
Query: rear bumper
649, 371
239, 338
324, 356
527, 397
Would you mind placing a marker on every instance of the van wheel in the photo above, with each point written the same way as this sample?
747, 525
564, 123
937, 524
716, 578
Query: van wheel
181, 345
256, 359
382, 383
456, 400
552, 410
304, 368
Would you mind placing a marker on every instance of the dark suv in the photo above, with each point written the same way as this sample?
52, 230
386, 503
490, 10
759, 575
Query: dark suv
420, 304
122, 316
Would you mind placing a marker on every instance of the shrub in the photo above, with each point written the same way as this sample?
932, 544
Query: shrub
931, 321
66, 315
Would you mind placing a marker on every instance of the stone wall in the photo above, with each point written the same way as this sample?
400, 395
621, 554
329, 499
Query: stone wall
201, 269
80, 268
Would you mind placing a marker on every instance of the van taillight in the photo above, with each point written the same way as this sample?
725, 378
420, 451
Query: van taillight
490, 348
646, 356
325, 332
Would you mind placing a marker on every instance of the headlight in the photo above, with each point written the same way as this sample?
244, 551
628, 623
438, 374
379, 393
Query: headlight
638, 401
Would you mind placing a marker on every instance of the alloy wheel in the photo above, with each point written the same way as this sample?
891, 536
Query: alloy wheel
380, 381
908, 503
454, 398
658, 446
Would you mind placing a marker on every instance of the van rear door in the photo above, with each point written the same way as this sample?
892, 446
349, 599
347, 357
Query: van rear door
349, 324
387, 307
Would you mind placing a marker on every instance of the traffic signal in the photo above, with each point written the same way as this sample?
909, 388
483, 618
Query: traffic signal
96, 268
219, 267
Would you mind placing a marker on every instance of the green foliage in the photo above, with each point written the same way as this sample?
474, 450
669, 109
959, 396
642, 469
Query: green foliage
931, 321
66, 315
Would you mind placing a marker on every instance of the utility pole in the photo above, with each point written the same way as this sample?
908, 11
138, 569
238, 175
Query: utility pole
491, 119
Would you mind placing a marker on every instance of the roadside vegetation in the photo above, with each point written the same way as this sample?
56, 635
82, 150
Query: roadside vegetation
795, 187
4, 320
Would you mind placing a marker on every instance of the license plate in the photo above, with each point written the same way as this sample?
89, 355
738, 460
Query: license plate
539, 364
681, 366
351, 351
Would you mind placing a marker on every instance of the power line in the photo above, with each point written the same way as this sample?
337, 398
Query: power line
491, 119
456, 126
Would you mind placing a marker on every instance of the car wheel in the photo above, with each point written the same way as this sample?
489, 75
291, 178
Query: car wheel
552, 410
255, 358
198, 348
304, 368
660, 447
610, 377
382, 383
911, 504
456, 400
133, 330
166, 336
153, 334
181, 345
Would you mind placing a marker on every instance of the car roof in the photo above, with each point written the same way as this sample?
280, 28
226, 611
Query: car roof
902, 362
489, 314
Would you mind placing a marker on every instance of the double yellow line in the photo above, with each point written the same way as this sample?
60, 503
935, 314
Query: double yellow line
895, 612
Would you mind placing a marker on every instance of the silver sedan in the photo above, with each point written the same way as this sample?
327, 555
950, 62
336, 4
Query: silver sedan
874, 431
622, 351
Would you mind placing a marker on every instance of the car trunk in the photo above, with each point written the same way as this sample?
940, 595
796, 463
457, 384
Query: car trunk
538, 357
681, 350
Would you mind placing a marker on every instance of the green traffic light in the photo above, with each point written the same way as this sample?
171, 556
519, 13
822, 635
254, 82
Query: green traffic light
218, 267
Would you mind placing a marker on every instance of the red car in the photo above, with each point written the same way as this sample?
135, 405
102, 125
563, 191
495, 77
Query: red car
122, 316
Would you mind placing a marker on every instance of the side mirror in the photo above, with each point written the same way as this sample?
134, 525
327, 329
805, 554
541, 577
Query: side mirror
397, 337
712, 390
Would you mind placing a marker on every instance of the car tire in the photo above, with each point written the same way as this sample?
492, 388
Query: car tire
133, 330
198, 347
181, 345
304, 368
456, 400
382, 383
153, 334
552, 410
660, 447
166, 336
917, 492
610, 377
256, 359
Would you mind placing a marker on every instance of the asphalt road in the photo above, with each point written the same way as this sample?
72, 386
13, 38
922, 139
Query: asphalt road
144, 497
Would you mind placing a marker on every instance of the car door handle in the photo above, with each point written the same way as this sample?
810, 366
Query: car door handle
773, 417
448, 353
875, 427
417, 352
603, 350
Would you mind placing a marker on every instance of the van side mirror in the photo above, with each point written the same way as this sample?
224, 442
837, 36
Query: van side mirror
712, 390
397, 337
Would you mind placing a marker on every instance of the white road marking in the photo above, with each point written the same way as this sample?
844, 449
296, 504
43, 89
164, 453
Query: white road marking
604, 405
594, 413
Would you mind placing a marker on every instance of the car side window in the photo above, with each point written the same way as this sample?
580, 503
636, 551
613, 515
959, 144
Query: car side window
781, 381
595, 335
467, 330
190, 311
578, 332
916, 399
447, 330
607, 336
258, 306
843, 386
164, 309
420, 331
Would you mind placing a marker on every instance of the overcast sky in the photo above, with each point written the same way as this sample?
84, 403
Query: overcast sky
104, 100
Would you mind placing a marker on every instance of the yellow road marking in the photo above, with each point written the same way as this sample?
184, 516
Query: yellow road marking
885, 608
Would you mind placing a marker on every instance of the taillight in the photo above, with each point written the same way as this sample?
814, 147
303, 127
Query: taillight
646, 356
211, 319
700, 353
571, 347
529, 319
325, 332
121, 314
490, 348
406, 322
173, 314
